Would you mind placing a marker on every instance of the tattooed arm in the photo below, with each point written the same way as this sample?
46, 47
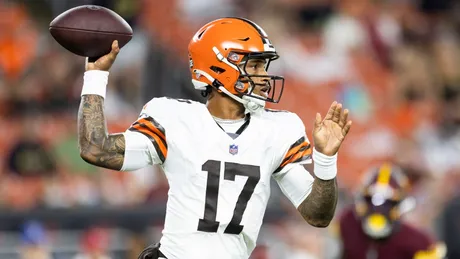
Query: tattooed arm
319, 206
314, 198
328, 134
97, 147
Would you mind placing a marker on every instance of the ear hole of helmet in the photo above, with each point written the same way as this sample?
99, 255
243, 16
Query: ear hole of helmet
218, 70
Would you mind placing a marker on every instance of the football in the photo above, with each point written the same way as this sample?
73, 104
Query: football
89, 30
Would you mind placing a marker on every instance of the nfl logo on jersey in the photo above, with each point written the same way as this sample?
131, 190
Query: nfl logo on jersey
233, 149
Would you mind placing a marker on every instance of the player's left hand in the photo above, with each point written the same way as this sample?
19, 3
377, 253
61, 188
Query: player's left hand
328, 134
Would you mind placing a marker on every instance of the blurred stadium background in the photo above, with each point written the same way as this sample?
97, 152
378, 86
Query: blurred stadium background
394, 63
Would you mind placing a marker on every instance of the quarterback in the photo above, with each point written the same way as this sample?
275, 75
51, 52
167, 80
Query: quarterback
219, 157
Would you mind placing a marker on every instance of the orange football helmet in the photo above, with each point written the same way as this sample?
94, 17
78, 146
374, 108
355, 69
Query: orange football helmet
382, 199
218, 54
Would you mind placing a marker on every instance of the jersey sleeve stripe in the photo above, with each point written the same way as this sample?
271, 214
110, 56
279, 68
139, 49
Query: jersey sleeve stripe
305, 155
153, 125
294, 150
298, 152
160, 145
297, 143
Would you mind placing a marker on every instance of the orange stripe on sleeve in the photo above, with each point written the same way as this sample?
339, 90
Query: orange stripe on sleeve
162, 147
297, 153
294, 150
152, 127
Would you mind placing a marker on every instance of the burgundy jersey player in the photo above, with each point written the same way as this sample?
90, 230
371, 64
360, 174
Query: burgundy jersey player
372, 228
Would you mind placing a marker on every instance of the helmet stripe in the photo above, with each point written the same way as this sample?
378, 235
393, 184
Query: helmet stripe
384, 174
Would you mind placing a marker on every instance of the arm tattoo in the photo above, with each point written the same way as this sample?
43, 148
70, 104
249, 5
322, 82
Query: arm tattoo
319, 207
97, 147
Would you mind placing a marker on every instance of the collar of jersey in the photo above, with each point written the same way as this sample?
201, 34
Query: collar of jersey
219, 120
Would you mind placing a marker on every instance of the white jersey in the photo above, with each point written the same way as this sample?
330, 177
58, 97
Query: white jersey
219, 185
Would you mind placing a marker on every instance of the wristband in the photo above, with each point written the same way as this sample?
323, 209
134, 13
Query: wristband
325, 167
95, 82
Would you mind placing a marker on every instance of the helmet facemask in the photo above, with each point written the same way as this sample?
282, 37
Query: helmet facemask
271, 85
381, 216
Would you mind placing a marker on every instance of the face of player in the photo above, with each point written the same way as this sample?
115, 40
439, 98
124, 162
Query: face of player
257, 68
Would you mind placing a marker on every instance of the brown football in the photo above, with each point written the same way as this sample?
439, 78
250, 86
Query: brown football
89, 30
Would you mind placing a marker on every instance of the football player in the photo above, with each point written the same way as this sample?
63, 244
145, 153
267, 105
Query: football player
372, 228
219, 157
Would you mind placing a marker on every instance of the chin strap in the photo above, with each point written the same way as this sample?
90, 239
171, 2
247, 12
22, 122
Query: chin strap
252, 105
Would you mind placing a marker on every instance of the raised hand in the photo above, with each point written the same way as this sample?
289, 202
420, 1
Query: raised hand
328, 134
105, 62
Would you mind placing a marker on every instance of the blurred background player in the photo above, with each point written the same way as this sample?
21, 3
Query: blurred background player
372, 227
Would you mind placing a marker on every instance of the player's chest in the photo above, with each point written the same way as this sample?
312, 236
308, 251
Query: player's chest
207, 145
